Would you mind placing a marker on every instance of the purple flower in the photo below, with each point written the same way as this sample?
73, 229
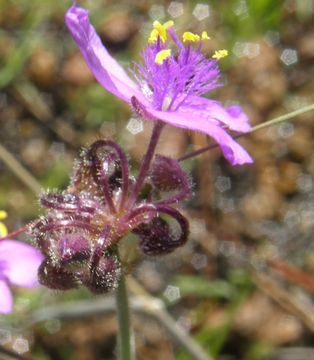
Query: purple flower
169, 84
18, 266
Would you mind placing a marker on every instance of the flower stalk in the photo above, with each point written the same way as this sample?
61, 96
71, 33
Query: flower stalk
147, 159
124, 339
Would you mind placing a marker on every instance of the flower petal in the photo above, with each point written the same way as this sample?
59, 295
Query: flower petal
21, 262
232, 151
6, 301
233, 116
104, 67
240, 121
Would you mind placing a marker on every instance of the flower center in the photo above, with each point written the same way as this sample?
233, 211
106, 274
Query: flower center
175, 68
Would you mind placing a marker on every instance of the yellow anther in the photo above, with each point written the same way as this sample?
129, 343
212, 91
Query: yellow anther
205, 36
159, 30
3, 214
153, 36
219, 54
3, 230
162, 55
189, 36
168, 24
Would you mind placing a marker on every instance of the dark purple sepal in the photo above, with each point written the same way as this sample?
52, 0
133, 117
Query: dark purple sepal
163, 234
170, 180
67, 202
105, 276
144, 213
109, 168
57, 277
74, 247
49, 233
82, 179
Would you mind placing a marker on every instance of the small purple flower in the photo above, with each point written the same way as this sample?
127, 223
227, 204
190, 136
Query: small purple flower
19, 263
169, 83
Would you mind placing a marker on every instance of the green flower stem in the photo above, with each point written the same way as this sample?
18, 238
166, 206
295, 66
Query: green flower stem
125, 343
282, 118
266, 124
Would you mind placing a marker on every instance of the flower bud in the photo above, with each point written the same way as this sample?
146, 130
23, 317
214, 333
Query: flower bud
169, 178
163, 235
55, 276
105, 276
73, 247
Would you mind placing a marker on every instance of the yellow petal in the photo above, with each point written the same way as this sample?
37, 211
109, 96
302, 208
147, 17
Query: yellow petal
162, 55
219, 54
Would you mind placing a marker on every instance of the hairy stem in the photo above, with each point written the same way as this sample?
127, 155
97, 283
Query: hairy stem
145, 163
125, 344
266, 124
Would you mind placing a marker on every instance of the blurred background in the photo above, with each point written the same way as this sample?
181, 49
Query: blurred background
242, 285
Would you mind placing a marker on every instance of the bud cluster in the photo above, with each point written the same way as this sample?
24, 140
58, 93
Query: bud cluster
83, 224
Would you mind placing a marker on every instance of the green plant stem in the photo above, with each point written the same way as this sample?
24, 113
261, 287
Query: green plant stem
125, 346
266, 124
282, 118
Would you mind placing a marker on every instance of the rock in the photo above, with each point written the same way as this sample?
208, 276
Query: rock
288, 177
42, 67
300, 144
306, 46
264, 204
118, 28
75, 71
259, 318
